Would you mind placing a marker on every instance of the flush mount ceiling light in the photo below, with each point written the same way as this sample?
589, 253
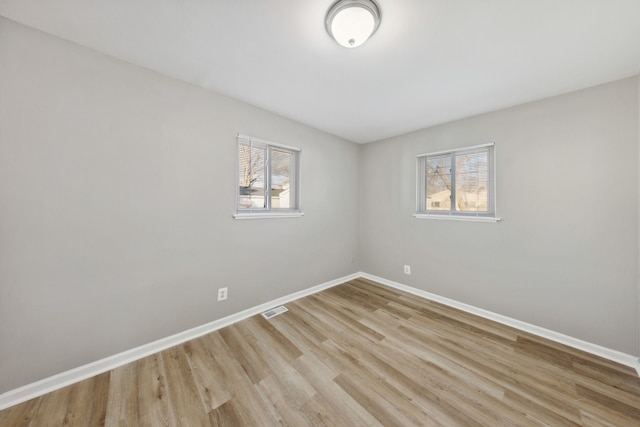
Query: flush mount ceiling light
352, 22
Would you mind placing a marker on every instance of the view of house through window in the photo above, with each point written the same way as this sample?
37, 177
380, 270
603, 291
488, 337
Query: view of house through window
459, 182
267, 177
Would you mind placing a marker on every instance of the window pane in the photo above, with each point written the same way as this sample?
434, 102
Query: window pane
281, 182
472, 181
251, 176
438, 170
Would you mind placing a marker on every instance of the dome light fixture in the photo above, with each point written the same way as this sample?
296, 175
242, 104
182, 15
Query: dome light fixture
352, 22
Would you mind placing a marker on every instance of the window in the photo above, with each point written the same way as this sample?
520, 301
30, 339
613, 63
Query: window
268, 179
457, 184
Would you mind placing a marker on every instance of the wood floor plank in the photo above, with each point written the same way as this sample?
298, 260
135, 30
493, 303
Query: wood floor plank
90, 403
509, 378
388, 363
82, 404
591, 420
281, 395
498, 355
250, 361
207, 374
405, 358
382, 409
337, 404
603, 404
228, 414
53, 409
123, 404
317, 415
358, 354
349, 321
246, 401
183, 390
537, 411
21, 414
352, 364
153, 407
265, 333
428, 307
611, 377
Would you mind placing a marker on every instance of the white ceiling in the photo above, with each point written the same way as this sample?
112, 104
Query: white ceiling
431, 61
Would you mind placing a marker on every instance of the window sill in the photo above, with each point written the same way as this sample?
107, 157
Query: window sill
458, 218
269, 215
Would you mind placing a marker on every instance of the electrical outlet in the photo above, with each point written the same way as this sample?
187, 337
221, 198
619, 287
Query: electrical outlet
407, 269
222, 294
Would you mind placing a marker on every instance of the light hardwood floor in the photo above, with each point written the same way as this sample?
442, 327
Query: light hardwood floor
359, 354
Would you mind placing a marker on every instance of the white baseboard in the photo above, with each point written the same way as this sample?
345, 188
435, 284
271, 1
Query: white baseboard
38, 388
607, 353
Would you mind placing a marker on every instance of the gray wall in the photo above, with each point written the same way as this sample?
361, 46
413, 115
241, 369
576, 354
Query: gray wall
117, 187
566, 255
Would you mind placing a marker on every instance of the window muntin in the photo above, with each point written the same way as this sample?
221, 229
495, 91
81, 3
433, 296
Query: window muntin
268, 176
457, 182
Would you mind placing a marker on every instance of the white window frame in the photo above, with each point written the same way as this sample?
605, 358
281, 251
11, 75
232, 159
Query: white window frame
421, 183
268, 211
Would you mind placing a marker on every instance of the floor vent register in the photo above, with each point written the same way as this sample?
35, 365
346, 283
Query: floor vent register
274, 312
